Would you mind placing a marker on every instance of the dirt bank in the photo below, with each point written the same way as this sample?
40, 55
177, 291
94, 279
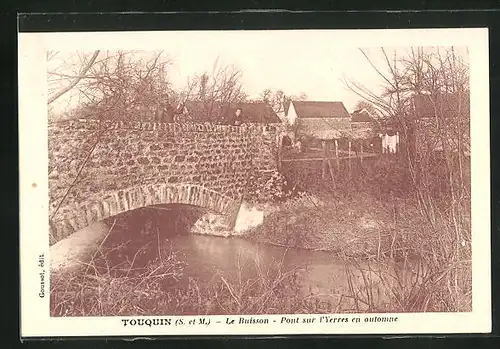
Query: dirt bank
360, 226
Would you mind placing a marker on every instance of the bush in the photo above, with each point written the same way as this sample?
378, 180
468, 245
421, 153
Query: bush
270, 187
388, 177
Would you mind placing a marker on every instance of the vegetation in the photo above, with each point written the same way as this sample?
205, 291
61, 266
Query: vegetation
267, 188
395, 260
399, 224
371, 220
136, 85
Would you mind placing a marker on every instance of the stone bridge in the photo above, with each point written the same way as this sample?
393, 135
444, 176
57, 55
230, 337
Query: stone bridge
98, 169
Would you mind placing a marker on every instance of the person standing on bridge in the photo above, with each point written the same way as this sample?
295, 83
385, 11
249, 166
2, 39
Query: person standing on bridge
237, 118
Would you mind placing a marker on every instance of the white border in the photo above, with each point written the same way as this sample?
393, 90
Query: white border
35, 318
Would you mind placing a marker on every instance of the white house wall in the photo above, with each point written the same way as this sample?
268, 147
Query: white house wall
292, 114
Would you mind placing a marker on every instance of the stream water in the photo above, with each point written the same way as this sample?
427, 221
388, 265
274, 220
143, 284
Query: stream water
208, 259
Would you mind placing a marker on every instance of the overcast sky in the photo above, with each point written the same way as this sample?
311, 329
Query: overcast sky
294, 62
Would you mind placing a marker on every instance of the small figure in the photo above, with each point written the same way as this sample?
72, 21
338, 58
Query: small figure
237, 117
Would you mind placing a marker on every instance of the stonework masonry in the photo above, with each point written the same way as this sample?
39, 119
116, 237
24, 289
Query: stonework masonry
98, 169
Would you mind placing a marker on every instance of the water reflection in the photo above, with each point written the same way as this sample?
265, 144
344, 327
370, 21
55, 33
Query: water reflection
208, 257
205, 258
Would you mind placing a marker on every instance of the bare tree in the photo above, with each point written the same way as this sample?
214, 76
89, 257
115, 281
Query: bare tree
416, 73
436, 146
73, 80
119, 86
363, 104
266, 96
126, 86
279, 100
217, 90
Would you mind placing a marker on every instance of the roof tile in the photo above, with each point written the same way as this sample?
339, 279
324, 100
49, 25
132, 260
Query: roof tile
313, 109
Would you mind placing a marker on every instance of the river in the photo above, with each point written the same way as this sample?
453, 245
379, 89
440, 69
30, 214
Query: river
209, 260
206, 257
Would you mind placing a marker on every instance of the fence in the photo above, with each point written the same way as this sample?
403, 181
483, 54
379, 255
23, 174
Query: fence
323, 157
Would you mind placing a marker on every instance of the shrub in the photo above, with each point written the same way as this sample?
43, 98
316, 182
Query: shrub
390, 177
270, 187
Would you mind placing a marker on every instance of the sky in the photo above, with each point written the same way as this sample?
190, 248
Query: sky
295, 63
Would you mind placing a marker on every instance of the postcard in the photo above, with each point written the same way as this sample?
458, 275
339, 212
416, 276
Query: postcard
254, 182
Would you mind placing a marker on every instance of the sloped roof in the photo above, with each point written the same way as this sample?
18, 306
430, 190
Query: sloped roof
312, 109
445, 105
255, 112
361, 116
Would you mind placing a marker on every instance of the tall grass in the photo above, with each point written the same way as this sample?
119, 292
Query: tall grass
417, 257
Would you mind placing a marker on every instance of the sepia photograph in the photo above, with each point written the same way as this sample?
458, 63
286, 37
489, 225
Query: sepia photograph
258, 173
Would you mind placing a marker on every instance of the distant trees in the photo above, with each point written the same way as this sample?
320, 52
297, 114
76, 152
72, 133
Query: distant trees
278, 100
275, 99
215, 90
369, 107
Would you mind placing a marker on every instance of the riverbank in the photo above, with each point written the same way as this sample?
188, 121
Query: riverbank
358, 226
419, 264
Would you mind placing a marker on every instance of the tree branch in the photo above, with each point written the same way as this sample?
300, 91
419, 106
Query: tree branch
76, 80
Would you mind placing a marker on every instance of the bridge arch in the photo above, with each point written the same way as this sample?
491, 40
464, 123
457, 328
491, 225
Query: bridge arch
76, 217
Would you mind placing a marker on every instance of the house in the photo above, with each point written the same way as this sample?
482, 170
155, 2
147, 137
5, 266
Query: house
365, 129
442, 121
254, 112
442, 105
251, 112
363, 124
362, 117
319, 120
